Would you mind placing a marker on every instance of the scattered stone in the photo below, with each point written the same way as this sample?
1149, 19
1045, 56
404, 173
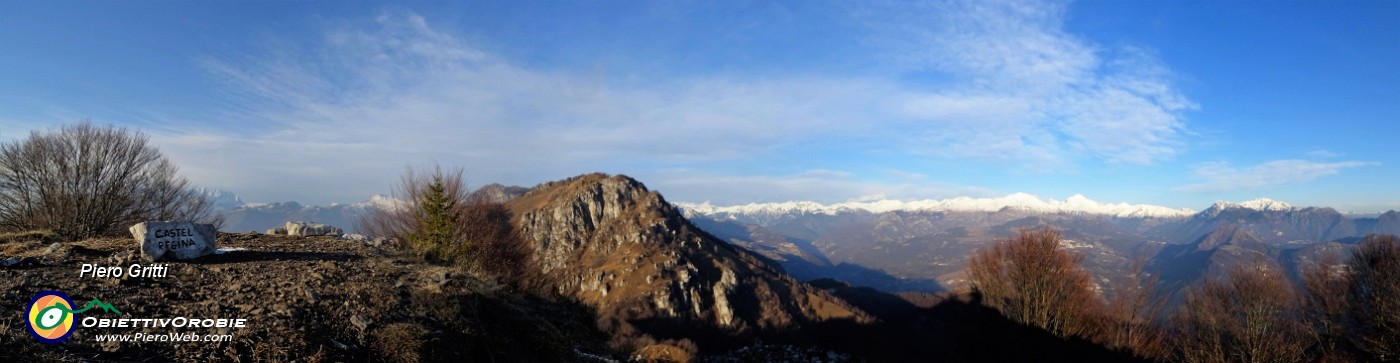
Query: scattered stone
360, 321
442, 279
181, 240
355, 237
121, 258
307, 229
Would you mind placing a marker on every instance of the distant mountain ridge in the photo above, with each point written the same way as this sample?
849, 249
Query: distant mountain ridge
1019, 201
241, 216
1075, 204
923, 245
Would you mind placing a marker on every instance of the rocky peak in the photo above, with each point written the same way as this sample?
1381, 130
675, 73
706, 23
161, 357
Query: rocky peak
564, 216
613, 244
1228, 234
496, 193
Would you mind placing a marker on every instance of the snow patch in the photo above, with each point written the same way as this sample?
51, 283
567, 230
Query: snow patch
224, 250
1260, 204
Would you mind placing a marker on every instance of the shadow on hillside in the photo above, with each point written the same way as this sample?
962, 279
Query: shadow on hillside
858, 275
953, 329
913, 327
803, 269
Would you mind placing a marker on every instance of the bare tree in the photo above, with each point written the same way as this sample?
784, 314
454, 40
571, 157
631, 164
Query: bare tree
1032, 281
1250, 316
1324, 304
495, 247
84, 181
1129, 321
1373, 296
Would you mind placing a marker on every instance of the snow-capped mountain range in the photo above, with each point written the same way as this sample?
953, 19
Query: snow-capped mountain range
1261, 204
896, 250
253, 216
1076, 204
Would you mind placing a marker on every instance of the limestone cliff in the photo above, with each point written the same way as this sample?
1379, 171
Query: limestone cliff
613, 244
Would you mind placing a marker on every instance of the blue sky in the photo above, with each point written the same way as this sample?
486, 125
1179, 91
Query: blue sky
1172, 103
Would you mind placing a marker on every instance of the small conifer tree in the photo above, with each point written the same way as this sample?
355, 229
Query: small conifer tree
439, 214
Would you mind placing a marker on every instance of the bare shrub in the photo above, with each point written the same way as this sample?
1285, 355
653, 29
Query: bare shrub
1373, 296
84, 181
1324, 304
1250, 316
438, 221
666, 351
1129, 320
495, 247
1032, 281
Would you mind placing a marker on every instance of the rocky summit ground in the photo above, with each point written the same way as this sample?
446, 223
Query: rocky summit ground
306, 299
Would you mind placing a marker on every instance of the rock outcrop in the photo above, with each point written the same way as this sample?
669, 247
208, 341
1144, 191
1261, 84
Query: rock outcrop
307, 229
496, 193
613, 244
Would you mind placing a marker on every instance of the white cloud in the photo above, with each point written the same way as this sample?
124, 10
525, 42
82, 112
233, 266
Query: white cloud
371, 99
341, 115
1023, 89
1221, 176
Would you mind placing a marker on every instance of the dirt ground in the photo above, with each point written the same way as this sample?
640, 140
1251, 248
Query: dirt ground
305, 299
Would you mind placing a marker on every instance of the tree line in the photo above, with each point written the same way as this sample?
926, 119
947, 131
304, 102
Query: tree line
1339, 311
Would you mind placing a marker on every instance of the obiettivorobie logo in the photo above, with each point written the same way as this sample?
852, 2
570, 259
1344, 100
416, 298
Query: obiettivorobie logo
51, 318
50, 315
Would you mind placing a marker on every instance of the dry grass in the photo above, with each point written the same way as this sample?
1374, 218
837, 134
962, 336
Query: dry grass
26, 243
665, 352
400, 342
30, 235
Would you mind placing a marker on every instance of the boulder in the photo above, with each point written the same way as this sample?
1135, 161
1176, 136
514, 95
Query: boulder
307, 229
180, 240
276, 231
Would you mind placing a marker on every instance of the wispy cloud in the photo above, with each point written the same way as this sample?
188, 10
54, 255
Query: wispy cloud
1023, 89
1222, 176
363, 99
403, 91
1322, 154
